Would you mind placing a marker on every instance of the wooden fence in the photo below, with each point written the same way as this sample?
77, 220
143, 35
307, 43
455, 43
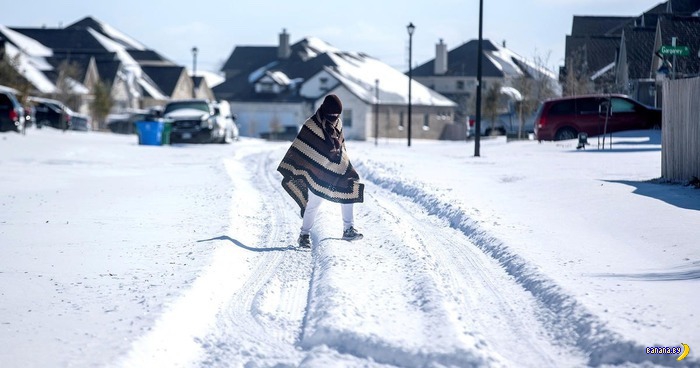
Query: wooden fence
680, 141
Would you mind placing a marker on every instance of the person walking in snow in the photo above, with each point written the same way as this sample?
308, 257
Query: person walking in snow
317, 167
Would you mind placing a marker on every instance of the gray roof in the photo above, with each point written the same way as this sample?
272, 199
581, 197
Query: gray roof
596, 51
246, 59
639, 44
583, 26
164, 76
462, 61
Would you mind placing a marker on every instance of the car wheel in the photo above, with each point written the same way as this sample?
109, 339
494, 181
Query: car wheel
565, 134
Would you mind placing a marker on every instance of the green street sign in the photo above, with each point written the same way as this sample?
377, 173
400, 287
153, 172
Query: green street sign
674, 50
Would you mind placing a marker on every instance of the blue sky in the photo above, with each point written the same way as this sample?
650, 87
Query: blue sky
532, 28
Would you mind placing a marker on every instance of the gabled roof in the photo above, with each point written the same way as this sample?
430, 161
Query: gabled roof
249, 58
108, 69
165, 77
639, 45
62, 39
461, 61
584, 25
307, 58
309, 61
597, 51
108, 31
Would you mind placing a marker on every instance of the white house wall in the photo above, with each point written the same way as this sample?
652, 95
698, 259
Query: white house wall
361, 114
313, 87
254, 118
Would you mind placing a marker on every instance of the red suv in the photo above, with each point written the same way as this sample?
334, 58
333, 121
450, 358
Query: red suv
564, 118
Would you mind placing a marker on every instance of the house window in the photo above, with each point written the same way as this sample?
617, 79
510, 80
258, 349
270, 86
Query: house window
401, 120
426, 121
460, 85
347, 118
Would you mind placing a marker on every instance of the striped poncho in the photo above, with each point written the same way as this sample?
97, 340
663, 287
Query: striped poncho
311, 164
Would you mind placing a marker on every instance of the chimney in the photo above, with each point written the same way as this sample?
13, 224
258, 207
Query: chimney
284, 50
440, 58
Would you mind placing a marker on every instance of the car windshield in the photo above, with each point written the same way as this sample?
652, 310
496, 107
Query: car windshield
195, 105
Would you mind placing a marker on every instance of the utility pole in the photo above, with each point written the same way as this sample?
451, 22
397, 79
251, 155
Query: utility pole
477, 126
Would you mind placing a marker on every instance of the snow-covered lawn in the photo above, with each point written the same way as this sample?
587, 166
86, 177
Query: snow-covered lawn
532, 255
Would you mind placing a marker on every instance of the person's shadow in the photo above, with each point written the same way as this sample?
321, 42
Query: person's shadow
239, 244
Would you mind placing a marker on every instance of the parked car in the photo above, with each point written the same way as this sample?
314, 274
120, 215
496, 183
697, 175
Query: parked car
53, 113
505, 124
12, 115
200, 121
564, 118
80, 122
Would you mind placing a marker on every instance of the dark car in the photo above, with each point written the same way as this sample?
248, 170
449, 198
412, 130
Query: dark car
11, 111
53, 113
564, 118
49, 113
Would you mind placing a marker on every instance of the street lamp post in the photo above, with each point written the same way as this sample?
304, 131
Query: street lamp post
410, 27
194, 71
477, 126
376, 112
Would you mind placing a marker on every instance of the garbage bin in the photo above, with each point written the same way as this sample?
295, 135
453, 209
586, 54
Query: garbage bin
167, 128
150, 132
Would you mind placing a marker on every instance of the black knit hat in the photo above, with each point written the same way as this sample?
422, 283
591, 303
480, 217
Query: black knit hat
331, 105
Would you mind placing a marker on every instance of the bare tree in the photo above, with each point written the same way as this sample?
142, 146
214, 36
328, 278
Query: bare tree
68, 75
535, 86
492, 106
576, 74
11, 77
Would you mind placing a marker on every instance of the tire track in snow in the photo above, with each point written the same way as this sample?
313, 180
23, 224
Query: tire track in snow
569, 321
483, 299
262, 322
380, 299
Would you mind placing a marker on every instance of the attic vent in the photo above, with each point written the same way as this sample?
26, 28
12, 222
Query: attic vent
323, 80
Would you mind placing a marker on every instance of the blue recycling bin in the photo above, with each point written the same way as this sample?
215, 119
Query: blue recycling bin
150, 132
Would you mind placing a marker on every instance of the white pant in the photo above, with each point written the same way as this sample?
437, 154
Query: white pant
312, 206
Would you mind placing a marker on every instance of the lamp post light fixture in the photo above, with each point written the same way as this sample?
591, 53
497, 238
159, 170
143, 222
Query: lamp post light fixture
411, 28
194, 71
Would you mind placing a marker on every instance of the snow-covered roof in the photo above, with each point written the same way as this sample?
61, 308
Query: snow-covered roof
114, 34
358, 74
31, 68
279, 78
28, 45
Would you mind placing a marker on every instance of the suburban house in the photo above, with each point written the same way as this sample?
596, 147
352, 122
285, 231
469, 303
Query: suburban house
274, 89
454, 73
622, 54
92, 51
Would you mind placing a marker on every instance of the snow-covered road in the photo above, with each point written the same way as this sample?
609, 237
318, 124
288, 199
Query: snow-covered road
439, 279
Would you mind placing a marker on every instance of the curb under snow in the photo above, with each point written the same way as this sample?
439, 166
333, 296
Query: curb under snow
590, 335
